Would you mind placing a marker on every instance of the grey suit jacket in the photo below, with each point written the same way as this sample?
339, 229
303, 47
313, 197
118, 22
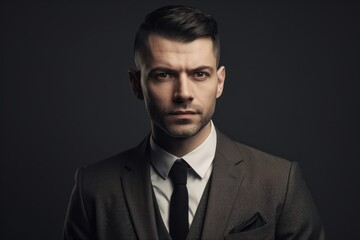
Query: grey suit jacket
253, 195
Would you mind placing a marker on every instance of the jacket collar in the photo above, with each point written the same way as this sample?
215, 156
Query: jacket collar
138, 192
227, 177
226, 180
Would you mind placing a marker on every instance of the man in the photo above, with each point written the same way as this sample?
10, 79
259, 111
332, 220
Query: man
186, 179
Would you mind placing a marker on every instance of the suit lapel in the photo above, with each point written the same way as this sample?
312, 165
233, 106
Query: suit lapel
226, 180
227, 177
138, 193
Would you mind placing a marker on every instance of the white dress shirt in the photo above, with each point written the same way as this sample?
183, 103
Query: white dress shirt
200, 160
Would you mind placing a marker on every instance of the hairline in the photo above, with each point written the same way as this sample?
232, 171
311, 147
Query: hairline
142, 54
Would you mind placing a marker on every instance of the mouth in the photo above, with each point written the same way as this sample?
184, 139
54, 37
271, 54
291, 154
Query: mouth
182, 112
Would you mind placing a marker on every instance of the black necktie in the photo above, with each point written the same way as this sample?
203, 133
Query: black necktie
179, 202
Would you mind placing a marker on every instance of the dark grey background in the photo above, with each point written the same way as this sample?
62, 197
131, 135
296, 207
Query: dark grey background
291, 90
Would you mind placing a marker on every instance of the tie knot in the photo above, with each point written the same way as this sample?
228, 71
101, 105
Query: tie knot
178, 173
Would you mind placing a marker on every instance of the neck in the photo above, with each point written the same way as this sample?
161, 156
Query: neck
180, 146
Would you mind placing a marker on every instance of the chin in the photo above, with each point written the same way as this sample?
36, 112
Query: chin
184, 134
182, 131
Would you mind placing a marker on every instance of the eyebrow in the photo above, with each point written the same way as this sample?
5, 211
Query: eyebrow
165, 69
202, 68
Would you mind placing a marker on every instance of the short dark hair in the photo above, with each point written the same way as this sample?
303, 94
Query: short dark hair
176, 22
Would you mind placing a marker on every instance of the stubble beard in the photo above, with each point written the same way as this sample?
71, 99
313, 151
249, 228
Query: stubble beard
184, 128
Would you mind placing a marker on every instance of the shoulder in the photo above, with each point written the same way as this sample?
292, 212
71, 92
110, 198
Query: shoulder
251, 155
111, 168
257, 164
262, 161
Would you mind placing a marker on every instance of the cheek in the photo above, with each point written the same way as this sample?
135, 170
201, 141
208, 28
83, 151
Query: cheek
207, 92
158, 96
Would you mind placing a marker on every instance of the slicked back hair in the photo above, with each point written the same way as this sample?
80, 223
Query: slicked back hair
175, 22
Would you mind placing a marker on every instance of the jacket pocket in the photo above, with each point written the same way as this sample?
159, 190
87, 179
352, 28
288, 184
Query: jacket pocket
261, 233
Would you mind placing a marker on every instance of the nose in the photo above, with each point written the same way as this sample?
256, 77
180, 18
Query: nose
183, 91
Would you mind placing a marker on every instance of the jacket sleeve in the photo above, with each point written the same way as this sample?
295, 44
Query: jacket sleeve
299, 218
77, 224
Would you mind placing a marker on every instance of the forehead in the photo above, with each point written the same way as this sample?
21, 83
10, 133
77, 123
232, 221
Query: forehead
163, 50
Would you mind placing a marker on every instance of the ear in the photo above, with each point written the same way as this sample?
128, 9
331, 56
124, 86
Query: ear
221, 79
135, 83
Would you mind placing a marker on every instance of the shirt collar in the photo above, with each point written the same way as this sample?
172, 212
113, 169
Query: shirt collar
199, 159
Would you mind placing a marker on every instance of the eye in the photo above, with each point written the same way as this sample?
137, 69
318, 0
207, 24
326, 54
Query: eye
201, 75
163, 76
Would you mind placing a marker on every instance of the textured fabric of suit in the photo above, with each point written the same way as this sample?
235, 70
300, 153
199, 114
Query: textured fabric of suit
196, 225
113, 199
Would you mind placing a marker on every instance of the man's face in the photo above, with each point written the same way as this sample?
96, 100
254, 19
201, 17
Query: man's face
180, 85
